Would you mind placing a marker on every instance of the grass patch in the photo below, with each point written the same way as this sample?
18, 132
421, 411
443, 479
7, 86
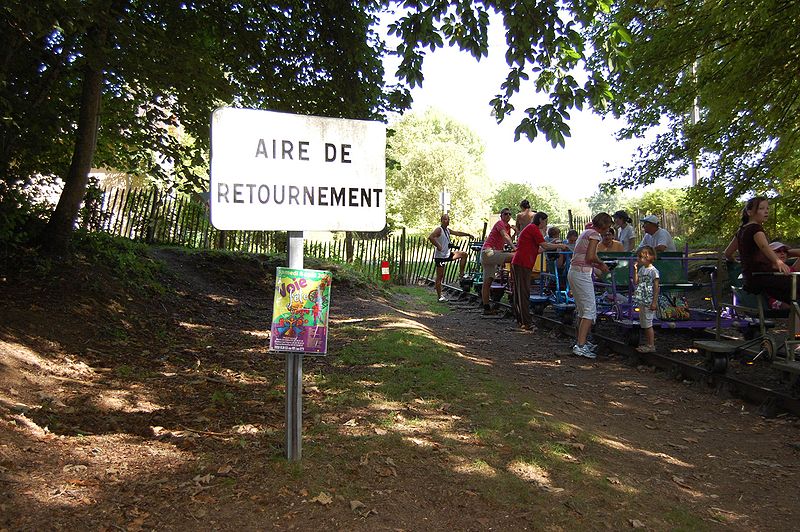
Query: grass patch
126, 259
418, 297
683, 520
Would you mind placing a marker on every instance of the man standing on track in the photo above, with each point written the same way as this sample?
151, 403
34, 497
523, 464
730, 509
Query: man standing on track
440, 238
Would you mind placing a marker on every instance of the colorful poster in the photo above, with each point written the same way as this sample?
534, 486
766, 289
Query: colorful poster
300, 311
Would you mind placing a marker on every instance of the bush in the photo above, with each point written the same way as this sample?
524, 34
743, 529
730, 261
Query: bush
128, 260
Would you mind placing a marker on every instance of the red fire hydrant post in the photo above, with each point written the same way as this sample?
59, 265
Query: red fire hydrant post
385, 271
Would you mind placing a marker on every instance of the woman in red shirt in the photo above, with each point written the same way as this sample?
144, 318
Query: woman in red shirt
530, 240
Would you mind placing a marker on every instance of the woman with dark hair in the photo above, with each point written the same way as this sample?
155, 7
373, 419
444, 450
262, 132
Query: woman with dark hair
756, 255
624, 230
530, 240
524, 217
584, 261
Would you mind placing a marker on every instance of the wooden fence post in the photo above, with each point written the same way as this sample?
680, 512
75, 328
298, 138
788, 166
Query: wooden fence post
150, 233
403, 257
348, 246
571, 221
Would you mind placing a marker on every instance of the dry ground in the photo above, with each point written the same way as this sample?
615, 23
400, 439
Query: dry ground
124, 410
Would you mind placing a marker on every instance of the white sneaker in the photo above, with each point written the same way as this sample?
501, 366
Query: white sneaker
583, 351
590, 345
442, 299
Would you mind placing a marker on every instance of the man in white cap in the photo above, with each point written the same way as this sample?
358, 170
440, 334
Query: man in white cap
784, 253
656, 237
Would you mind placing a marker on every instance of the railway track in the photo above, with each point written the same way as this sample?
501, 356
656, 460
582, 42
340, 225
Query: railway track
770, 401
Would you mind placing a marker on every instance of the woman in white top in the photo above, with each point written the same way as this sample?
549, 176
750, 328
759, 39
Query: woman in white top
625, 230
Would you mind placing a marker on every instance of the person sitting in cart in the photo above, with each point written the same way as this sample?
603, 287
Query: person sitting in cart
625, 230
756, 255
782, 251
440, 238
646, 279
609, 243
572, 237
656, 237
530, 240
492, 256
555, 261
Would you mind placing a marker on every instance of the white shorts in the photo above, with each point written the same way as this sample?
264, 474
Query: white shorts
491, 259
580, 283
646, 317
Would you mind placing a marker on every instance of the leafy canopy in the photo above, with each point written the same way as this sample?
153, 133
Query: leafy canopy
167, 66
160, 68
737, 61
547, 43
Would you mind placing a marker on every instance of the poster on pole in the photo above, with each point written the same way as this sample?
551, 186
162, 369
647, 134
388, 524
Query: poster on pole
300, 311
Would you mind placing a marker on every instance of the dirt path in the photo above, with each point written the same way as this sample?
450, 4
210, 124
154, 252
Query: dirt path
677, 438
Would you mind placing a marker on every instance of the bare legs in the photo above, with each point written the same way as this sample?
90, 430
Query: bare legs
650, 337
584, 327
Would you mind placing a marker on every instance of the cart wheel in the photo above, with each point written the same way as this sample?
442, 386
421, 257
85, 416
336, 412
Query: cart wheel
568, 317
768, 349
716, 363
631, 336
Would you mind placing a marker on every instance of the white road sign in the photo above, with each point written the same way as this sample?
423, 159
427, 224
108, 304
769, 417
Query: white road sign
279, 171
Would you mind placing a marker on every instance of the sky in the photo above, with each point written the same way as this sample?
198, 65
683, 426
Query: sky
455, 83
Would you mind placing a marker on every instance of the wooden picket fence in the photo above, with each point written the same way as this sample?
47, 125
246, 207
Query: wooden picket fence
669, 221
166, 218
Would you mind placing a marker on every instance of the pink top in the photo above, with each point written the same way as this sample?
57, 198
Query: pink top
582, 247
495, 239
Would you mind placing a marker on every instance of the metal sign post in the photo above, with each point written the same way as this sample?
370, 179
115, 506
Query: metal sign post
444, 201
294, 372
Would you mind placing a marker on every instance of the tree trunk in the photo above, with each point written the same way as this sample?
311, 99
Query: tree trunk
59, 229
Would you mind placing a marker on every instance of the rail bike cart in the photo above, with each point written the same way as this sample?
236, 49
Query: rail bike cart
554, 288
674, 311
475, 277
501, 281
775, 348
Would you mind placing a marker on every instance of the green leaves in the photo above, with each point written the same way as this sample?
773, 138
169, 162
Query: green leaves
433, 152
731, 60
546, 43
